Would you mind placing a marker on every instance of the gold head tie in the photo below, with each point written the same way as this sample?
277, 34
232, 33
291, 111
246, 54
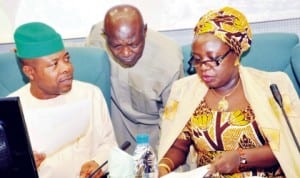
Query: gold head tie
229, 25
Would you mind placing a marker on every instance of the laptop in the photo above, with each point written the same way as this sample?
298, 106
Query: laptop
16, 155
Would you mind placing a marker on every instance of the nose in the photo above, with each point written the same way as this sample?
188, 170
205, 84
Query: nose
126, 51
204, 66
67, 67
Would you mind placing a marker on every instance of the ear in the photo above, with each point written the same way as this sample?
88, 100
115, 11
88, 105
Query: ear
145, 29
28, 71
103, 32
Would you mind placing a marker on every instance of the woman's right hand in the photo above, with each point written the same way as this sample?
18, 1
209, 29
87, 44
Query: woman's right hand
38, 158
226, 163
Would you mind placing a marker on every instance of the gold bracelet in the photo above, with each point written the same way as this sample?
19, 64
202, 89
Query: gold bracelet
165, 166
170, 161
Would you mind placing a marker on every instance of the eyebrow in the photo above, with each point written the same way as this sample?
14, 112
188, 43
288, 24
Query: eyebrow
57, 57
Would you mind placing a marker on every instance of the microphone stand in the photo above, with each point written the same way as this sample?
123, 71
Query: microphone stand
124, 146
95, 171
278, 99
290, 127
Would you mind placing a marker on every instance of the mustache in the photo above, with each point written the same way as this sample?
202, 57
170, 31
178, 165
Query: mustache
65, 77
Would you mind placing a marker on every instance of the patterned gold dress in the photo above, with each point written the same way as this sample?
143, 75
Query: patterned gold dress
212, 132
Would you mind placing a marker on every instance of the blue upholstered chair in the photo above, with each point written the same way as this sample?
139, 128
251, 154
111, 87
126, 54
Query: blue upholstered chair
270, 52
90, 65
296, 62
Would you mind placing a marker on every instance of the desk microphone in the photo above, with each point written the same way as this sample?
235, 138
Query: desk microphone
277, 96
123, 147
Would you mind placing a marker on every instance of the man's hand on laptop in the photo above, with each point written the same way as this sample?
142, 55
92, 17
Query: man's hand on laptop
38, 158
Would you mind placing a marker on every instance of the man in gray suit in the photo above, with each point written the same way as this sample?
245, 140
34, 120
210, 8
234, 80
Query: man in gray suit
144, 64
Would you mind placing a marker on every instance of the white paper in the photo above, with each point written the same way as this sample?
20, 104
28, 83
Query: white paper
195, 173
120, 164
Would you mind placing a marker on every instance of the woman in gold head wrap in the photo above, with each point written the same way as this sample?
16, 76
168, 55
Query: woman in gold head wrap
226, 113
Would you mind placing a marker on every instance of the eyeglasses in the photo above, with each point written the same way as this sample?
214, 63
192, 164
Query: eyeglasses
212, 62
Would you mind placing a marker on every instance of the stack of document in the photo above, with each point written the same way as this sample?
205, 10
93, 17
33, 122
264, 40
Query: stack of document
195, 173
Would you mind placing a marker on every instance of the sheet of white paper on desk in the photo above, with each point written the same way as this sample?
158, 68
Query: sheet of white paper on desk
195, 173
120, 164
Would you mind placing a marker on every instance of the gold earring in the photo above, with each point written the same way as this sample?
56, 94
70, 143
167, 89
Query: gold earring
237, 62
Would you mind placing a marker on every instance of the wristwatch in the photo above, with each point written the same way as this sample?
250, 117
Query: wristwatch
243, 159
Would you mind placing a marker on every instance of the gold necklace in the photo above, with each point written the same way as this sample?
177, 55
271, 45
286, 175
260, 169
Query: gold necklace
223, 104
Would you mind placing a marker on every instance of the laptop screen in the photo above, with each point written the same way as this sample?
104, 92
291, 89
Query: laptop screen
16, 156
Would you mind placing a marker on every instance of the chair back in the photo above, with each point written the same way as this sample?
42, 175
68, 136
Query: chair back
90, 65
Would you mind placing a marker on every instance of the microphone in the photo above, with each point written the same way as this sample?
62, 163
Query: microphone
123, 147
277, 96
